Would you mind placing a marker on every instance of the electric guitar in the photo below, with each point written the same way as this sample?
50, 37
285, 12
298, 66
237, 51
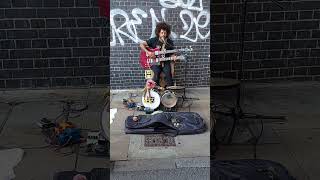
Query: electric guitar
146, 62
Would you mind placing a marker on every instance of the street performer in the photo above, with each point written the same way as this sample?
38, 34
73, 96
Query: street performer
163, 42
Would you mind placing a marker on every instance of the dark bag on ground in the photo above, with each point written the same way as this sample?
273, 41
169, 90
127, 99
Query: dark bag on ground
168, 123
249, 169
94, 174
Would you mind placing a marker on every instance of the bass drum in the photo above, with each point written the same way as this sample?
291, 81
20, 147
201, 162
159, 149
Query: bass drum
169, 99
151, 99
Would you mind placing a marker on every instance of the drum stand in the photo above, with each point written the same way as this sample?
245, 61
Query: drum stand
182, 89
173, 109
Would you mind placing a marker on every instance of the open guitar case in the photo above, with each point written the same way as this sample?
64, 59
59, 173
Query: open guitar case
167, 123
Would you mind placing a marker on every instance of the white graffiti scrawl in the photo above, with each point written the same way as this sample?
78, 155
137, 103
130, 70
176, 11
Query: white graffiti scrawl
191, 23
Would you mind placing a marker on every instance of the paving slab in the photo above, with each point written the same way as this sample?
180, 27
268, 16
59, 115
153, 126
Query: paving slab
43, 163
137, 150
165, 174
304, 146
119, 147
296, 100
193, 145
200, 162
141, 165
21, 128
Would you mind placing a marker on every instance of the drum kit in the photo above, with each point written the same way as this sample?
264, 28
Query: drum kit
167, 97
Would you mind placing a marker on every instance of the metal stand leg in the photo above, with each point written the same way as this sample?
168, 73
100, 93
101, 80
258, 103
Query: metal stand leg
235, 121
77, 156
238, 115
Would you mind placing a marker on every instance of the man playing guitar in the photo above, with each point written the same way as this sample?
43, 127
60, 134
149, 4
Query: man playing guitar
163, 42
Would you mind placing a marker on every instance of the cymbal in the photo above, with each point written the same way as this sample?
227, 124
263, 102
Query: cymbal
175, 87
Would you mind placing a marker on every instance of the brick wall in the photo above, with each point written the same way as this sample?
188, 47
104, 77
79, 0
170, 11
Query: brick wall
280, 44
52, 43
124, 57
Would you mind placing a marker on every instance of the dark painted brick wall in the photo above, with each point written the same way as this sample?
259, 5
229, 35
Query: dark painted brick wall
280, 44
52, 43
124, 58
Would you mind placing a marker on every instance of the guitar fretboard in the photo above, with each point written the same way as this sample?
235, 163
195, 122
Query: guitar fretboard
171, 51
156, 60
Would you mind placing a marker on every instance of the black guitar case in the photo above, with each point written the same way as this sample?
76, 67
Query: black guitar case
168, 123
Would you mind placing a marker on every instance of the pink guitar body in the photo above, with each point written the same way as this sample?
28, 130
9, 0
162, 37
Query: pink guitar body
146, 62
144, 58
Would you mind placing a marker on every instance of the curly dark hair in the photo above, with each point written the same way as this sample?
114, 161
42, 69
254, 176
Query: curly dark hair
164, 26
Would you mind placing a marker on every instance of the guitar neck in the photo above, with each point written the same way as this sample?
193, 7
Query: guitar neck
167, 51
172, 51
166, 59
163, 59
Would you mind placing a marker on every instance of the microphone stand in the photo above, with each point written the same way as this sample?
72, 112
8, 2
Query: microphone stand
240, 113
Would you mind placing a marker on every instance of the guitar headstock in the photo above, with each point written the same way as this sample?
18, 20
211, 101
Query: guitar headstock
182, 58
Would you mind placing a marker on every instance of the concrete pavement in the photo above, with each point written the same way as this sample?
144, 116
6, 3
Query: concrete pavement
163, 169
172, 174
131, 147
20, 130
296, 146
297, 140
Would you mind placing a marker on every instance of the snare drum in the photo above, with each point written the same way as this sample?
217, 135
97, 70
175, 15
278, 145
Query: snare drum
169, 99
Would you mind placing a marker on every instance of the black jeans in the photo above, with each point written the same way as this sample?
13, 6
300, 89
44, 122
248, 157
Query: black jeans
157, 69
